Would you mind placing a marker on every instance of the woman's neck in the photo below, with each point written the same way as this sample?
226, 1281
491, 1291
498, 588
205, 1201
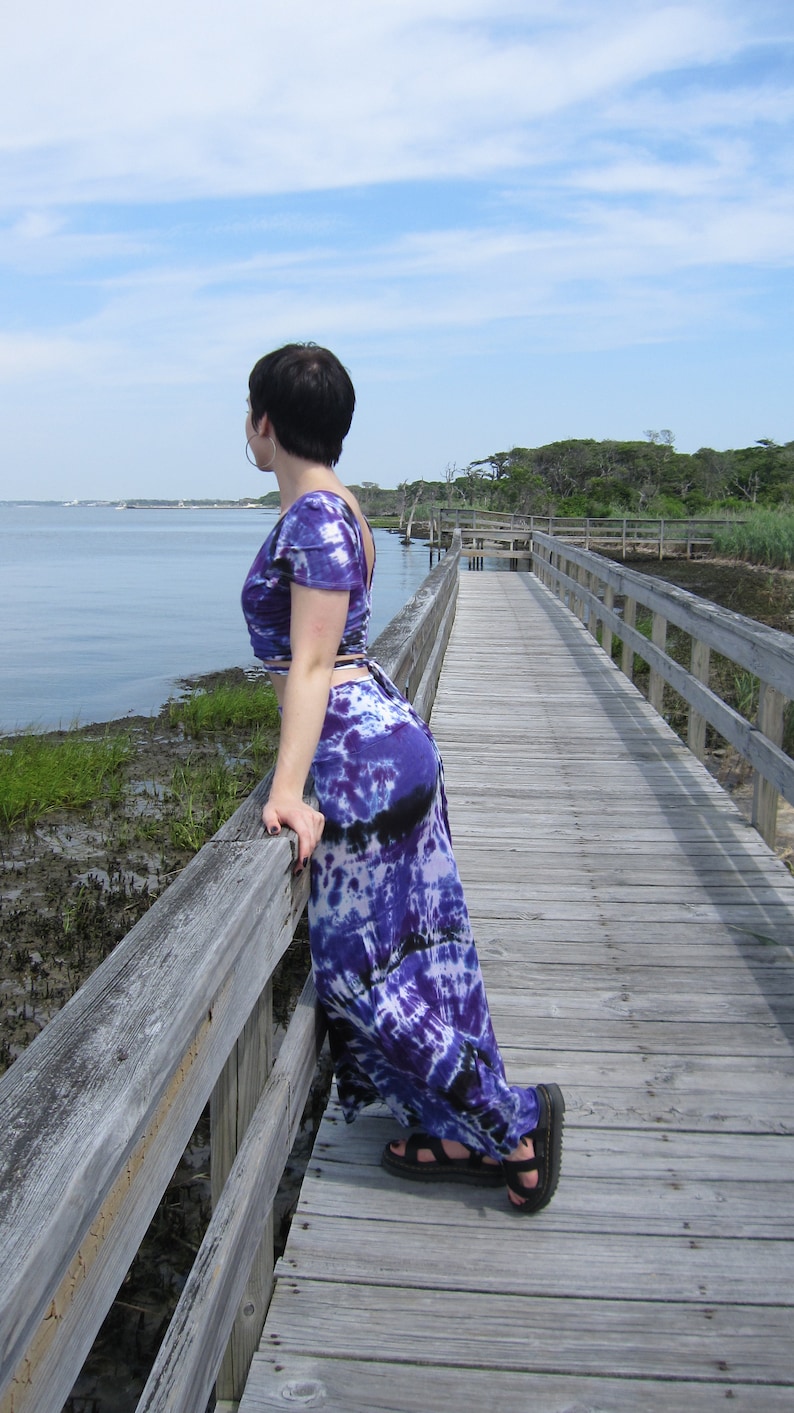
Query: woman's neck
296, 477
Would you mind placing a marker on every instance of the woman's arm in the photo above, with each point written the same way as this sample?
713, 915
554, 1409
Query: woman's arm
317, 622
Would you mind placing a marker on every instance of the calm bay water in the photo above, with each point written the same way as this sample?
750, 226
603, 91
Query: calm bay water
102, 611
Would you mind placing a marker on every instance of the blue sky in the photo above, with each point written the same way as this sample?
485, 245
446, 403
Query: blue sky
514, 222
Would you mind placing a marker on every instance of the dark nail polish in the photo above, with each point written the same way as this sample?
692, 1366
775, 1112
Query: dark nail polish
304, 861
273, 829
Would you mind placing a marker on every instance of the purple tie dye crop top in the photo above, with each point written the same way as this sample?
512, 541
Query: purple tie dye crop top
317, 543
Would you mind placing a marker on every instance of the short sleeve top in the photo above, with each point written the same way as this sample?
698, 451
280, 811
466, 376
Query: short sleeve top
318, 544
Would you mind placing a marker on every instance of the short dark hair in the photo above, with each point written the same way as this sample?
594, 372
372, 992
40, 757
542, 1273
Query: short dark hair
309, 398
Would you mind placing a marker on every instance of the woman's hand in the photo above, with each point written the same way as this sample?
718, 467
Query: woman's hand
295, 814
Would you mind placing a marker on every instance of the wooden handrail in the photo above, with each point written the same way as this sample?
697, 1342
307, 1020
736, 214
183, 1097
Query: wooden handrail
482, 529
765, 652
96, 1113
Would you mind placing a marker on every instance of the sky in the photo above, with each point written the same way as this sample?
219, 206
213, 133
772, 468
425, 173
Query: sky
514, 222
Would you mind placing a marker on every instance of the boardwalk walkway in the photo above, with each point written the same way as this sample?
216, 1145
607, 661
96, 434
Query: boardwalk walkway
636, 937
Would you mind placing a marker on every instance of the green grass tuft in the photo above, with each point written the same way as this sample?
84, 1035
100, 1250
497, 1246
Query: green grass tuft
202, 796
39, 775
238, 705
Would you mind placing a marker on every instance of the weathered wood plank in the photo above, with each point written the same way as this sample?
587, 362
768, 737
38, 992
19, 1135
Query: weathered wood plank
702, 1208
183, 1372
344, 1386
643, 976
232, 1104
582, 1264
636, 1339
598, 1036
638, 1205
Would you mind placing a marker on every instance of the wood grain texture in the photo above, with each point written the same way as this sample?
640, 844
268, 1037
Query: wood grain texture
232, 1105
344, 1386
636, 938
183, 1372
97, 1112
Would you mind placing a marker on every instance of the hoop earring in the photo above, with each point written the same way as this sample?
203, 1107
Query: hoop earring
251, 459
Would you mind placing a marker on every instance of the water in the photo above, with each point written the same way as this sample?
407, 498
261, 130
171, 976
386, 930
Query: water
103, 611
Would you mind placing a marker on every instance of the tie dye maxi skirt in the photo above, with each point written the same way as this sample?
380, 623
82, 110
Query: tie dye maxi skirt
394, 961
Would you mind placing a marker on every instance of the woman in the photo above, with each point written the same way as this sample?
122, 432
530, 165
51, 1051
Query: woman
393, 957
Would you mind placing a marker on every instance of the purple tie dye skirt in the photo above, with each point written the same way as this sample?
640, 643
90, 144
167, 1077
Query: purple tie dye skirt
395, 965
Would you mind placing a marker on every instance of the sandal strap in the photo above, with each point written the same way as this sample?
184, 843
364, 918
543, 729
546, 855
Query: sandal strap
436, 1147
425, 1140
511, 1171
521, 1165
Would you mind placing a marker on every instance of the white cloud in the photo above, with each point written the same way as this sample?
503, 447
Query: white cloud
166, 99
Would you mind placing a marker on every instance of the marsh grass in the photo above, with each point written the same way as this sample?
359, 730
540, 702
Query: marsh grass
228, 706
204, 792
202, 796
765, 537
39, 775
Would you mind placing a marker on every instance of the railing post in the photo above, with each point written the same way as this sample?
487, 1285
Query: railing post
623, 551
606, 633
656, 680
765, 796
233, 1101
591, 584
584, 610
630, 619
576, 602
696, 728
544, 560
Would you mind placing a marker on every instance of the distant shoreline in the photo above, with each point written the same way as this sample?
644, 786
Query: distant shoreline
138, 503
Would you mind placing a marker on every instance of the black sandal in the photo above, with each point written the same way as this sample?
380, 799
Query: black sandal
473, 1169
547, 1141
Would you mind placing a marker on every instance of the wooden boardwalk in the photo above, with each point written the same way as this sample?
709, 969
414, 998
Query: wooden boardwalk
636, 937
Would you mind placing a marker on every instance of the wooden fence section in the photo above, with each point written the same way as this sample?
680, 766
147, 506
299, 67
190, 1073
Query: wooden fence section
96, 1114
488, 534
590, 585
636, 936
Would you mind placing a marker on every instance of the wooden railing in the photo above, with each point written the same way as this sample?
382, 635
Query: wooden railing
591, 585
493, 535
96, 1113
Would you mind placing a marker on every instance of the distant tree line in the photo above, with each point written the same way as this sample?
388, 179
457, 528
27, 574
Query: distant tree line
606, 478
